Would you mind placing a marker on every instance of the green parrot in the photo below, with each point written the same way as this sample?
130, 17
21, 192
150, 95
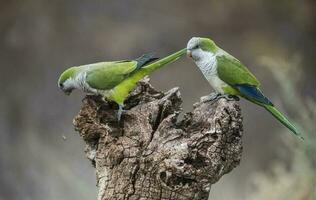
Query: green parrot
112, 80
230, 78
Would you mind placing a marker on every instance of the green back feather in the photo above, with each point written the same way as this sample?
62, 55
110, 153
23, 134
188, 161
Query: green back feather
106, 75
233, 72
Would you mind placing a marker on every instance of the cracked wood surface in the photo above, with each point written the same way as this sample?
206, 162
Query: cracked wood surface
150, 155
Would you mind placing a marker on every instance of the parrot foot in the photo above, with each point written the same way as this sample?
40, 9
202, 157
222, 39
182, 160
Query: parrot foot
210, 97
119, 113
229, 97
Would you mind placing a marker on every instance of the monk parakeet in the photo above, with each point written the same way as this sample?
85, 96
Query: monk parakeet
112, 80
230, 78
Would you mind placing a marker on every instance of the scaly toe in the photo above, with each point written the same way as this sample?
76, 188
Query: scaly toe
229, 97
211, 97
119, 113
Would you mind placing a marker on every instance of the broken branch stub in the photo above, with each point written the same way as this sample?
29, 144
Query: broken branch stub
150, 155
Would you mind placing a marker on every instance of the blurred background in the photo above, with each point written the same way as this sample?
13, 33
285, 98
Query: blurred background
42, 157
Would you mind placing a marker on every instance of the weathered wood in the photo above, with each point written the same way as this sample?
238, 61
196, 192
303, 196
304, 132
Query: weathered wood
150, 155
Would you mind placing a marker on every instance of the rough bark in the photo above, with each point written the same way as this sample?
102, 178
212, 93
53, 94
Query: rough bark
150, 155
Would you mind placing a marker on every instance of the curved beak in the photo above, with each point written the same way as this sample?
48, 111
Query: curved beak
67, 92
189, 53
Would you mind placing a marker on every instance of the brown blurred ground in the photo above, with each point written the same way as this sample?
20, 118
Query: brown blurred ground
39, 39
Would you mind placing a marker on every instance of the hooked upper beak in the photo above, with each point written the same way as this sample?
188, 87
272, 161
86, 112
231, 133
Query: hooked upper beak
67, 92
189, 53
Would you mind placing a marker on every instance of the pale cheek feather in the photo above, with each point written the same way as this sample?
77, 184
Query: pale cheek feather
79, 82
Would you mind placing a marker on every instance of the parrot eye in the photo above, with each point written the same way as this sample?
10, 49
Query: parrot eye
196, 46
61, 85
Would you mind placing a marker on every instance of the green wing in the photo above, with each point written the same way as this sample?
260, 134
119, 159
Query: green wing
233, 72
107, 75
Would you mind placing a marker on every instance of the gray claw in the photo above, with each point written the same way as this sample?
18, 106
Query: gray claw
120, 112
229, 97
210, 97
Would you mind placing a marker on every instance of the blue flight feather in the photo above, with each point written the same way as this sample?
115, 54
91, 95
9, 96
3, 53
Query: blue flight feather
145, 59
253, 93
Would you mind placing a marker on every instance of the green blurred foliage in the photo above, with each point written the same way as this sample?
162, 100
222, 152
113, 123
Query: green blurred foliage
295, 179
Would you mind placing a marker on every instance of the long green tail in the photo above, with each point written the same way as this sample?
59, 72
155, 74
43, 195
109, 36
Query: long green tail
253, 94
121, 91
160, 63
277, 114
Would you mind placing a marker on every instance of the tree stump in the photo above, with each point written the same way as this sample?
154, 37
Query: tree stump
150, 154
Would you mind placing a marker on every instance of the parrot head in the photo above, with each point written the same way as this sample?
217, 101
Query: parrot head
66, 80
198, 48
